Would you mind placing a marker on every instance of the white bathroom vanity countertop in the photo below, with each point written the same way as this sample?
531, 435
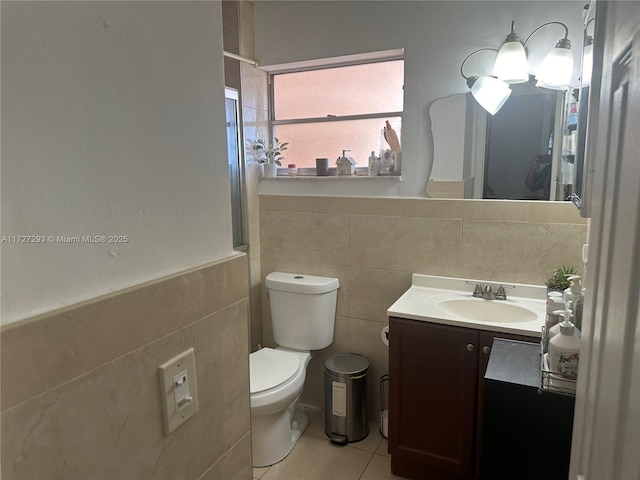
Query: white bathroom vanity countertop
427, 294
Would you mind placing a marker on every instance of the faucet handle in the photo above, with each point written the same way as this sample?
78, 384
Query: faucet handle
477, 291
501, 294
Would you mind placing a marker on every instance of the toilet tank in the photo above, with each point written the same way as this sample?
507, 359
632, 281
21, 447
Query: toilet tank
303, 309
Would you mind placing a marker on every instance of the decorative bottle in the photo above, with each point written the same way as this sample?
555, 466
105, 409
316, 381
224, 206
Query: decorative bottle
564, 356
575, 294
374, 167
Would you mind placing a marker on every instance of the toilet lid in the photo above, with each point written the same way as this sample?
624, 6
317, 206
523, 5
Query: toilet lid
270, 368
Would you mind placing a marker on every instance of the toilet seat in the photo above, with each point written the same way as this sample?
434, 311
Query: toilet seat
270, 368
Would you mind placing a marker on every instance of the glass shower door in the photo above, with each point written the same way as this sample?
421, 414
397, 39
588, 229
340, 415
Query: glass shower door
236, 169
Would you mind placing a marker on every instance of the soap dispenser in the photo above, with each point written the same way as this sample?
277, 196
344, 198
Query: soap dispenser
575, 294
560, 315
564, 355
554, 305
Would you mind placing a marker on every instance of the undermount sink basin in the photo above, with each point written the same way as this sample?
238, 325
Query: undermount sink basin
486, 310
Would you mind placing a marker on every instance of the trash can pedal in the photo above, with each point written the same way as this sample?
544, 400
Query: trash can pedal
340, 440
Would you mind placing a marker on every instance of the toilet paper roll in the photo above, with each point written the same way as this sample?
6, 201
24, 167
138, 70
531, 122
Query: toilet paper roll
384, 335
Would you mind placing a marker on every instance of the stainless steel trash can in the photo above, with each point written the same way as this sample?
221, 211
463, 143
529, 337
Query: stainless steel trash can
345, 393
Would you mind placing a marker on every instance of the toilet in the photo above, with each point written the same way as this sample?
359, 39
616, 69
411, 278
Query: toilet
303, 310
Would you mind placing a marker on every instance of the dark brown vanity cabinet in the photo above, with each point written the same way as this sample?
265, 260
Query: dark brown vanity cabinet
436, 385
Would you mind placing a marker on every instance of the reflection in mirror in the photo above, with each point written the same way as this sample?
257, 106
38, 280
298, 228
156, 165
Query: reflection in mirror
509, 155
582, 191
518, 161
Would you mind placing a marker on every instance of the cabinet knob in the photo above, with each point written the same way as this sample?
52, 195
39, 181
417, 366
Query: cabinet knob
486, 349
470, 347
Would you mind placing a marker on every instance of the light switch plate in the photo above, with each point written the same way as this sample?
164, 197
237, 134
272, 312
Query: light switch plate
178, 390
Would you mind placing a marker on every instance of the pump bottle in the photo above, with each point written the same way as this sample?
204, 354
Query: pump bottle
564, 355
374, 166
575, 294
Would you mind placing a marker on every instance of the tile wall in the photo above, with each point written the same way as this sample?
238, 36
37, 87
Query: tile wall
80, 389
237, 20
255, 125
373, 245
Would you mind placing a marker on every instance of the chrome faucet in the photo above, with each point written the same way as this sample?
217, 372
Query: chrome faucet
501, 294
487, 293
477, 291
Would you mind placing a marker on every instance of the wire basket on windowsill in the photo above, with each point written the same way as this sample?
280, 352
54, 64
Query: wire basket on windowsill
551, 381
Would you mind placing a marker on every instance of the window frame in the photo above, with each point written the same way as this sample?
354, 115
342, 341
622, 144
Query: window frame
325, 64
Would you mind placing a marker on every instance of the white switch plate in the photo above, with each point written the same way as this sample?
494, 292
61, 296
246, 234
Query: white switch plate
178, 390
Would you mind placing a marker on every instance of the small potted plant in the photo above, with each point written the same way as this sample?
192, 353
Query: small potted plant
559, 279
270, 155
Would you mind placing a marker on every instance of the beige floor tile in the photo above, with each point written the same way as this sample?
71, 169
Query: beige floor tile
383, 448
379, 468
258, 472
316, 427
313, 458
371, 442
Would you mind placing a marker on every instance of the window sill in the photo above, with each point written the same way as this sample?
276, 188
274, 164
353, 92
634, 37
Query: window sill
294, 178
310, 174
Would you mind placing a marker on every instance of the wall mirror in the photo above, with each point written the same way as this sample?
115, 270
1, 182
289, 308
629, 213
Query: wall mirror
584, 165
527, 151
532, 149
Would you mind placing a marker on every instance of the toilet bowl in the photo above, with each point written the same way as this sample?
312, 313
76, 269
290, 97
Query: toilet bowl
277, 378
303, 316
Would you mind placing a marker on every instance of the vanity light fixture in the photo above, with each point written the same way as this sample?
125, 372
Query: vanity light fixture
489, 92
555, 70
587, 61
587, 56
511, 63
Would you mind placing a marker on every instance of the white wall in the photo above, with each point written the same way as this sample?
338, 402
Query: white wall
449, 129
436, 37
112, 124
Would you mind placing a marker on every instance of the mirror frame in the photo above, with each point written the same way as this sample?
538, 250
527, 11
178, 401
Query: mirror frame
589, 96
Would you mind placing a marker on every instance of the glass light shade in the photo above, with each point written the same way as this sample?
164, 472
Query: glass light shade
490, 93
556, 69
587, 64
511, 63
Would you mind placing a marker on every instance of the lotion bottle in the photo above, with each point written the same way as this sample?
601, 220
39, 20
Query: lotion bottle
561, 315
564, 356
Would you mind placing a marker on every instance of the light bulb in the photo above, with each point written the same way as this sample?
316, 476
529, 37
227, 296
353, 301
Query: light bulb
587, 64
557, 67
511, 63
490, 93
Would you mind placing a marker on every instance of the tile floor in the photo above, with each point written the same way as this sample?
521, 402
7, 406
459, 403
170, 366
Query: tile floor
314, 457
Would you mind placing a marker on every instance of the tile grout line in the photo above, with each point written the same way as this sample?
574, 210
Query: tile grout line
83, 376
366, 466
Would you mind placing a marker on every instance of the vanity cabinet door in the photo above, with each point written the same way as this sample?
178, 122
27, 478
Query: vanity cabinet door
484, 350
432, 399
486, 342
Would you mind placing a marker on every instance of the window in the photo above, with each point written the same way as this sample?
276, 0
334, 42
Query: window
323, 111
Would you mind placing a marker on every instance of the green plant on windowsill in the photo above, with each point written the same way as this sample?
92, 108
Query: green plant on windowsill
272, 153
559, 279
